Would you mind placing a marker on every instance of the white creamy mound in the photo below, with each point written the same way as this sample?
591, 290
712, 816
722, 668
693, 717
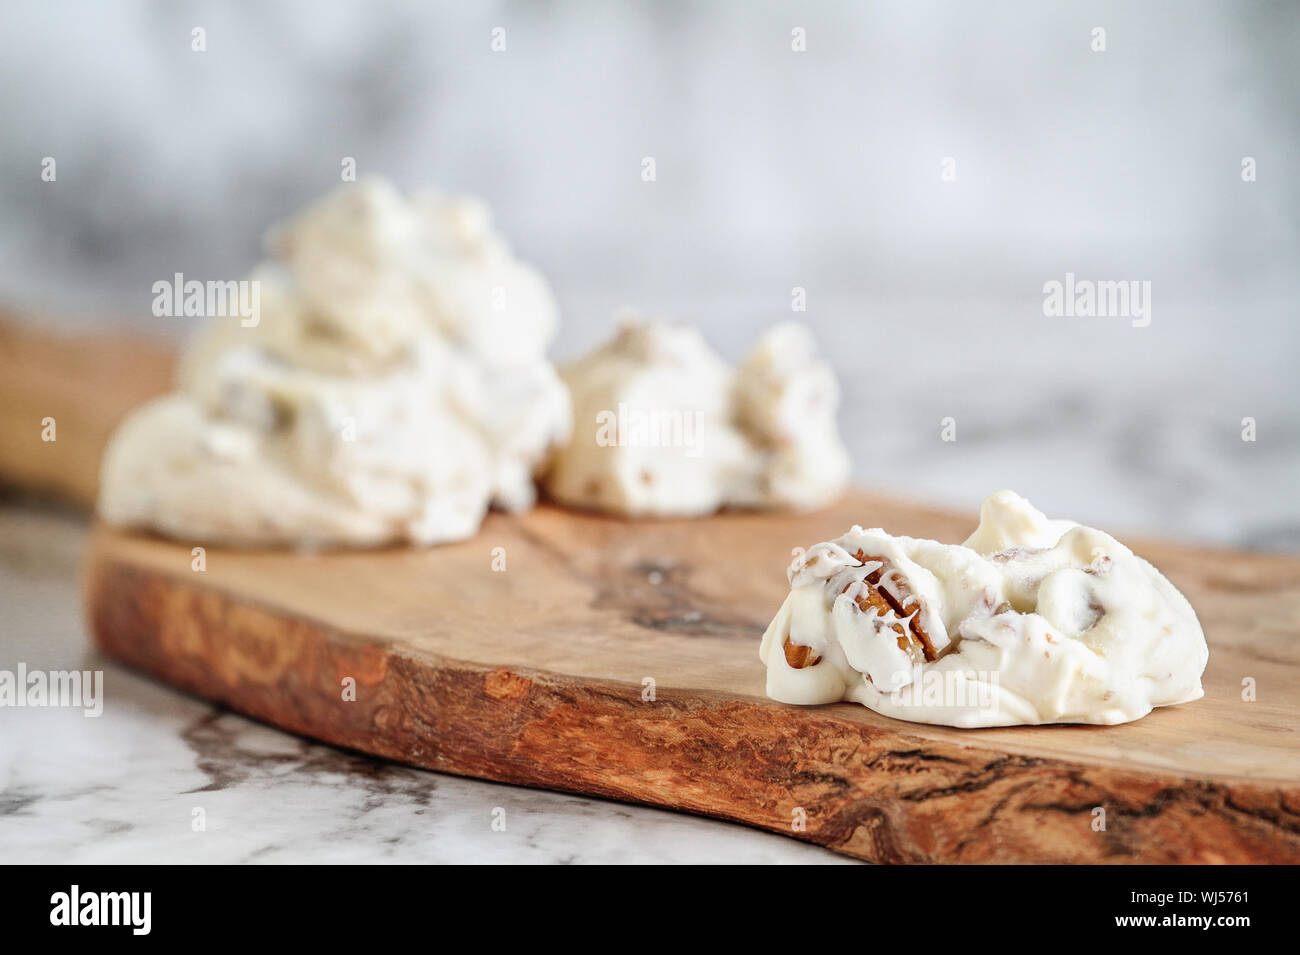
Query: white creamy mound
664, 427
395, 386
1030, 621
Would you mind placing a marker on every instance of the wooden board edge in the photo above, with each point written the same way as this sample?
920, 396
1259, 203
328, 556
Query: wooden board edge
83, 381
876, 794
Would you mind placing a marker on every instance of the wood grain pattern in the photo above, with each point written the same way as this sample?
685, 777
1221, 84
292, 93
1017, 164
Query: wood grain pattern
534, 676
87, 382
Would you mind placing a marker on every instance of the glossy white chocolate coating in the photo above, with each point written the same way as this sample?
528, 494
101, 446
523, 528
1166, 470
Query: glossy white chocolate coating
1030, 621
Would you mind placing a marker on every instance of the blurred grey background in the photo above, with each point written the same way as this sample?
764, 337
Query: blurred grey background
776, 169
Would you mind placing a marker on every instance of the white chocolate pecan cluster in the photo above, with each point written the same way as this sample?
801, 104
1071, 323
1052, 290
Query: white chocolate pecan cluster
393, 387
1030, 621
663, 427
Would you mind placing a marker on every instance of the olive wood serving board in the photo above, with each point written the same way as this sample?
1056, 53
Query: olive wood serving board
536, 672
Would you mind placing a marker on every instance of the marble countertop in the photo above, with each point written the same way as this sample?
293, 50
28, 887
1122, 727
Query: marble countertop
127, 787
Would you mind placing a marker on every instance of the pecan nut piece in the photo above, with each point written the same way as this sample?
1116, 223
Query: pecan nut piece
799, 656
886, 594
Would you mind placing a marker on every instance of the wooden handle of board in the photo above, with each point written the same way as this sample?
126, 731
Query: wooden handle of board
86, 382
